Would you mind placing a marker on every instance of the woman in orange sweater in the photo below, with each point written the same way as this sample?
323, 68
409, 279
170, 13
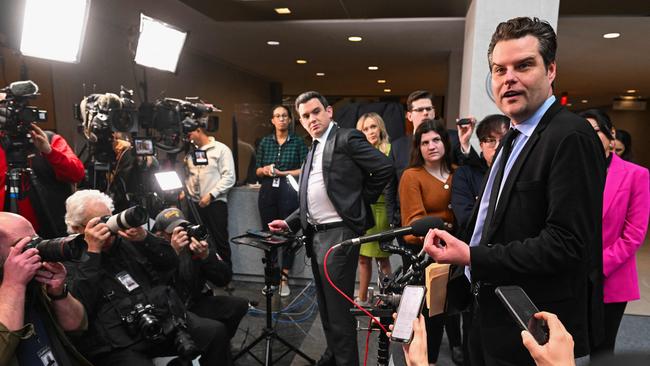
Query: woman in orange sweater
425, 190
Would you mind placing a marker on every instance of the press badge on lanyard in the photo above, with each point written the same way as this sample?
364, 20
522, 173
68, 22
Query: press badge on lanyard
127, 281
47, 357
200, 157
276, 182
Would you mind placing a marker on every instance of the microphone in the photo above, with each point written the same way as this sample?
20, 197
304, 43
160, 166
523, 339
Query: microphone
418, 228
22, 88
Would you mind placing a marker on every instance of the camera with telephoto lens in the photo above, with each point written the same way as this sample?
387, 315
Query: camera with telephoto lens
131, 217
198, 232
63, 249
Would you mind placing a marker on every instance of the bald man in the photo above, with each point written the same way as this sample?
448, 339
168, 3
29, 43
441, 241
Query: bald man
35, 307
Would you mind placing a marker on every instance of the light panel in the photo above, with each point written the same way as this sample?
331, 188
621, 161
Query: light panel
159, 45
168, 181
54, 30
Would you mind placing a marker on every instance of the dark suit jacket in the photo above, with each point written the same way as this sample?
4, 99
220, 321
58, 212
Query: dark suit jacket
546, 234
355, 174
468, 181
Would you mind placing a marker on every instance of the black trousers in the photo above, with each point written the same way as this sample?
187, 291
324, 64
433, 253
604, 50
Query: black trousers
215, 219
613, 316
274, 203
339, 325
228, 310
210, 336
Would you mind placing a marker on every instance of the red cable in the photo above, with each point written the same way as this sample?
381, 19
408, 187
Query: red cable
327, 275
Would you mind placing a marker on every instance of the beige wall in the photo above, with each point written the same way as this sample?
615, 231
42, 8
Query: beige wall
107, 63
637, 123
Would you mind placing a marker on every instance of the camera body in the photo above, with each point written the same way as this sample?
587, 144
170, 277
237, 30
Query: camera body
199, 232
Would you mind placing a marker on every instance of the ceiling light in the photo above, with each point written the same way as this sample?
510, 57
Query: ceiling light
159, 44
381, 81
54, 30
273, 43
301, 62
320, 74
631, 91
373, 68
611, 35
355, 39
569, 104
584, 101
387, 90
283, 11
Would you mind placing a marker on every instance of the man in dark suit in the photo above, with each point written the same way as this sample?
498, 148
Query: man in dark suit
537, 224
342, 175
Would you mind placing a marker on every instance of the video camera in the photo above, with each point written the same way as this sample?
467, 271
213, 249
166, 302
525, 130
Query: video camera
63, 249
16, 117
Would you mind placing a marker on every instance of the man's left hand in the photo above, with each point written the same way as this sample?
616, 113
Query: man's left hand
133, 234
452, 251
205, 200
199, 248
52, 275
40, 140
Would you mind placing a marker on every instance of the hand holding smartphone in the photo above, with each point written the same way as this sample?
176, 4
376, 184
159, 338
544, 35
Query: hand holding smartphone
410, 306
523, 310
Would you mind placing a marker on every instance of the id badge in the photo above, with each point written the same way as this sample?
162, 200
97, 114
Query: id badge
200, 157
276, 182
127, 281
47, 357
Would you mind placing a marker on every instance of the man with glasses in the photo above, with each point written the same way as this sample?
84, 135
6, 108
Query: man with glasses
468, 178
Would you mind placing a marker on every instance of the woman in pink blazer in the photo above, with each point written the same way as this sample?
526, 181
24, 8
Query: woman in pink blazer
626, 206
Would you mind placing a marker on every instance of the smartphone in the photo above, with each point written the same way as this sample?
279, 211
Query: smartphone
410, 307
464, 121
259, 233
522, 310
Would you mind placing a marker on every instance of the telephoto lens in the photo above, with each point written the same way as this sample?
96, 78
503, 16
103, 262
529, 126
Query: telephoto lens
131, 217
194, 231
63, 249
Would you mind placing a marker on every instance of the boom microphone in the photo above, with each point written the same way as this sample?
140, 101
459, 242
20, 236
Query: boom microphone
418, 228
22, 88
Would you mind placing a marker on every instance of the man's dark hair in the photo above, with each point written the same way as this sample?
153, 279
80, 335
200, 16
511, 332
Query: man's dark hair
428, 125
523, 26
602, 120
309, 95
494, 123
417, 95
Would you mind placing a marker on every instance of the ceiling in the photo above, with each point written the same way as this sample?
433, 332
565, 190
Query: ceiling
411, 40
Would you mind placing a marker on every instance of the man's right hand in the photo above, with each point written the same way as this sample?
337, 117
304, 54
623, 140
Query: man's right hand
97, 234
180, 239
278, 226
21, 266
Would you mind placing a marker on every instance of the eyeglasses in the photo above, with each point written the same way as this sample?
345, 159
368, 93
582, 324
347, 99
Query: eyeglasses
280, 116
422, 109
490, 142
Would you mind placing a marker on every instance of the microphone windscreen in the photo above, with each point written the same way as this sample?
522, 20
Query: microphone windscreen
421, 227
23, 88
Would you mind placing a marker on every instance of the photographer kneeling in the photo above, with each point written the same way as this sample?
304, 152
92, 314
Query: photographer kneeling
199, 263
133, 315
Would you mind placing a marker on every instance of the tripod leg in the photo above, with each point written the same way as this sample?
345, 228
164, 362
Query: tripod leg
294, 349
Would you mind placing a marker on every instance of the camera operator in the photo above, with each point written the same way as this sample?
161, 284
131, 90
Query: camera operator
56, 168
133, 315
199, 263
210, 175
34, 314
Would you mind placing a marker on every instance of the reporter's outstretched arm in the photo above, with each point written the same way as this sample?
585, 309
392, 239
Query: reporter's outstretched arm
559, 349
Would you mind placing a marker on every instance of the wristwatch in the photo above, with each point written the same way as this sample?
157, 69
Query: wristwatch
60, 296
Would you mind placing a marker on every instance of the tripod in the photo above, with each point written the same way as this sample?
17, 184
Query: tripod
271, 279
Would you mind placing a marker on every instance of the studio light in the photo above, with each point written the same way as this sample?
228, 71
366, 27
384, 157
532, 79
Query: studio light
159, 45
168, 181
54, 30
